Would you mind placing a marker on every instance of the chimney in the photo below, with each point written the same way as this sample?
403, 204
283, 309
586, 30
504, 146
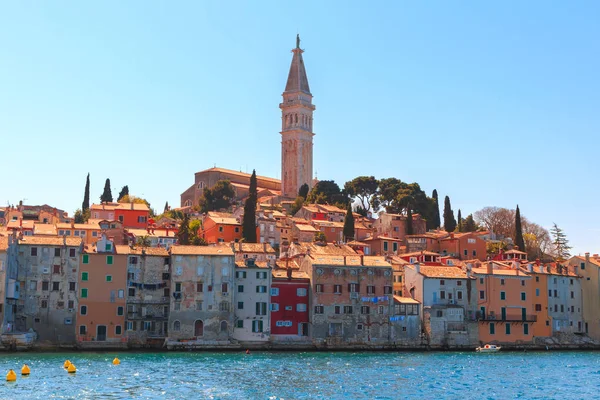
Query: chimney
131, 205
265, 247
289, 273
490, 268
362, 259
587, 258
344, 260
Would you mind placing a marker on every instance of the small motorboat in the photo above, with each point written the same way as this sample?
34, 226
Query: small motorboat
488, 348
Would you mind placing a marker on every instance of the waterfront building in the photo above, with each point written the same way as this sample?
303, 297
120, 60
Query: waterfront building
564, 299
406, 326
148, 294
252, 301
588, 267
4, 244
102, 284
350, 299
201, 312
290, 306
539, 302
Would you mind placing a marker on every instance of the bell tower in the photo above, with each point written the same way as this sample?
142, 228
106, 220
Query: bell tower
296, 128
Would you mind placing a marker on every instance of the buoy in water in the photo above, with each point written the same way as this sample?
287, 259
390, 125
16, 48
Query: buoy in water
116, 361
248, 351
71, 368
25, 370
66, 364
11, 376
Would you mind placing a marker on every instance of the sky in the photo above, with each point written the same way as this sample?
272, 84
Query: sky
492, 103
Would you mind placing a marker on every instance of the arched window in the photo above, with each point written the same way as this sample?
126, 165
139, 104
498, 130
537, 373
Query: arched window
176, 326
198, 328
201, 185
223, 326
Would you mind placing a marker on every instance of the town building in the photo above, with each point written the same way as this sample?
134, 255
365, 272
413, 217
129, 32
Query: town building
406, 324
464, 246
220, 227
262, 252
588, 267
394, 225
290, 306
131, 215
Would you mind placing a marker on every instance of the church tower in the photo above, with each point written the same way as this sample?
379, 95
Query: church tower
296, 129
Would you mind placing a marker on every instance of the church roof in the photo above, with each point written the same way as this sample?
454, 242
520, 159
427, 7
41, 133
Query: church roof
297, 80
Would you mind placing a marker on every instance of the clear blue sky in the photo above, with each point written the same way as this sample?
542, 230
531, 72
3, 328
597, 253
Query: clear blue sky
491, 103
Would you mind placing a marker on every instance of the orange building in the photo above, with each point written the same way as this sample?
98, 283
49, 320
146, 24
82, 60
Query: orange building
539, 283
504, 297
465, 246
89, 233
220, 227
102, 284
131, 215
334, 231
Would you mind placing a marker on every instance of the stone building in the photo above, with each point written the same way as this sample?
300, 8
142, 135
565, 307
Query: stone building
405, 322
201, 312
47, 269
588, 267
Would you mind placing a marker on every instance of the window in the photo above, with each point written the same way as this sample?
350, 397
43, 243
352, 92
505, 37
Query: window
572, 295
522, 282
198, 305
538, 307
240, 289
118, 329
133, 260
502, 281
131, 292
274, 291
370, 289
481, 294
121, 293
537, 278
257, 326
70, 305
237, 229
365, 310
199, 287
439, 313
571, 281
240, 274
459, 295
239, 323
319, 309
523, 296
458, 283
508, 329
348, 310
44, 304
45, 285
57, 252
481, 281
274, 307
33, 251
537, 292
385, 246
395, 246
261, 289
108, 278
562, 308
337, 309
119, 310
474, 253
300, 307
549, 293
359, 327
109, 260
582, 265
353, 287
337, 289
442, 294
71, 286
261, 308
224, 288
32, 285
301, 292
177, 306
555, 293
466, 252
72, 253
55, 286
83, 310
387, 290
442, 282
176, 326
141, 219
492, 328
261, 275
86, 258
319, 288
502, 295
84, 293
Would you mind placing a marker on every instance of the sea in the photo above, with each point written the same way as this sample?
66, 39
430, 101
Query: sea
305, 375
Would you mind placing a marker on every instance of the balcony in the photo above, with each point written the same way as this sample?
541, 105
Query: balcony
489, 317
158, 300
135, 315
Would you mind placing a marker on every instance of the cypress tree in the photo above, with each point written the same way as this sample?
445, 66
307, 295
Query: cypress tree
249, 222
86, 195
519, 241
449, 221
303, 192
183, 235
124, 192
107, 194
436, 212
349, 224
409, 221
166, 207
460, 221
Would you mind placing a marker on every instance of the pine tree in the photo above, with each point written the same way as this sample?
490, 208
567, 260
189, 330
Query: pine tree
183, 235
86, 195
349, 224
166, 207
460, 221
249, 222
436, 211
409, 221
519, 241
107, 194
469, 224
561, 244
124, 192
449, 221
303, 192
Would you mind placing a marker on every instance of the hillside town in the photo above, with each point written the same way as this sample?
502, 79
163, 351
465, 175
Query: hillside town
249, 261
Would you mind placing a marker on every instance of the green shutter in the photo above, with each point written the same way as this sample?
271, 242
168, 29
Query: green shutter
84, 276
109, 260
86, 258
84, 293
108, 278
502, 295
492, 328
526, 329
508, 329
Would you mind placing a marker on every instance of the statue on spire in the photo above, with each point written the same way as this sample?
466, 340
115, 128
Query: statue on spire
297, 40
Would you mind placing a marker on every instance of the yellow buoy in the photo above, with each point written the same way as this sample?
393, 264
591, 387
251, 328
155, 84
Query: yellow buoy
25, 370
11, 376
71, 369
66, 364
116, 361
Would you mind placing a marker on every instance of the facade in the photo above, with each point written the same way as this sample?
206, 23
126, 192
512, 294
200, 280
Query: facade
405, 322
131, 215
564, 299
289, 306
252, 301
394, 225
102, 288
256, 251
202, 281
464, 246
296, 129
588, 267
218, 227
153, 237
88, 233
350, 300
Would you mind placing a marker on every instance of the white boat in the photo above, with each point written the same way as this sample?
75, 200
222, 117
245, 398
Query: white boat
18, 340
488, 348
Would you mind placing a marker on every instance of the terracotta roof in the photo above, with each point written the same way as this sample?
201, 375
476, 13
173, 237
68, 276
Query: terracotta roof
44, 229
223, 218
329, 224
351, 261
258, 264
592, 260
3, 243
156, 232
315, 249
120, 206
441, 272
356, 243
27, 224
405, 300
282, 273
89, 225
514, 252
137, 250
49, 241
239, 173
306, 228
382, 238
253, 248
419, 253
499, 271
398, 260
217, 250
330, 208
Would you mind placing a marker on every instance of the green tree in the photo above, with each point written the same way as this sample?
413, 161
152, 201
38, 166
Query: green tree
303, 192
561, 243
249, 221
469, 224
460, 221
143, 241
409, 222
184, 234
320, 237
449, 221
435, 215
106, 194
494, 247
195, 235
86, 195
349, 224
218, 197
519, 241
298, 203
124, 192
166, 207
328, 192
363, 188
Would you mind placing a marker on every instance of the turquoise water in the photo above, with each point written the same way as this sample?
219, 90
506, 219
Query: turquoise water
261, 375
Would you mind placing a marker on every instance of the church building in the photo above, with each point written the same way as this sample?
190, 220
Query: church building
296, 145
